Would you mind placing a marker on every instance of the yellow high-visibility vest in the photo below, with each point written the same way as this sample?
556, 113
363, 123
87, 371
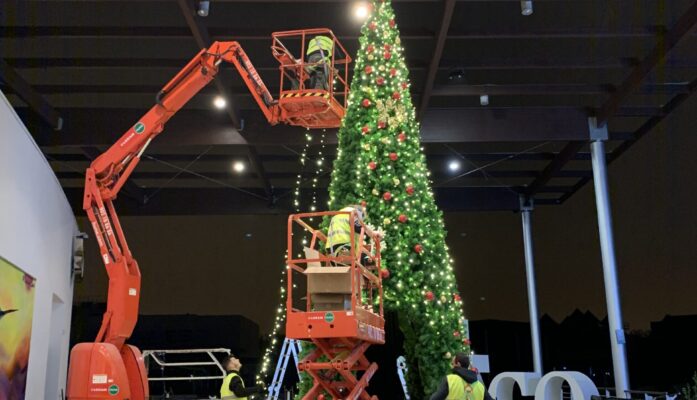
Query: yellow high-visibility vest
459, 389
340, 229
326, 44
225, 392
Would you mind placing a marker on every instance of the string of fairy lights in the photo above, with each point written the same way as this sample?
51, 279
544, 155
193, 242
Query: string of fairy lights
316, 165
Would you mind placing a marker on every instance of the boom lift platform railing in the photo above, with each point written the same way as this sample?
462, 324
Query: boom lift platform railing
157, 357
341, 330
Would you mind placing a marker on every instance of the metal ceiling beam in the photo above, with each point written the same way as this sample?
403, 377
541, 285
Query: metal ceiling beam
293, 175
610, 108
665, 44
644, 129
95, 127
413, 64
554, 167
441, 90
448, 9
549, 89
231, 33
30, 96
203, 40
214, 201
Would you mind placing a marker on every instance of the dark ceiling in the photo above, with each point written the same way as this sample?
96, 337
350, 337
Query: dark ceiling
97, 64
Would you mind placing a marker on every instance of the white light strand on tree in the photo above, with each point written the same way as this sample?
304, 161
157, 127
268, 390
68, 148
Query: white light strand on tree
279, 321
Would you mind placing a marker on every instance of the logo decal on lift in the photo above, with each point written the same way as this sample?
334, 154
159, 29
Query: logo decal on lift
114, 390
329, 317
139, 128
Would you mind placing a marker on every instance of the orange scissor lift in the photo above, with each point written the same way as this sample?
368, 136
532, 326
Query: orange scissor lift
337, 305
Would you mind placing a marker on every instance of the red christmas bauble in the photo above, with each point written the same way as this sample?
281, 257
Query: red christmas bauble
370, 48
393, 156
410, 190
366, 103
373, 26
364, 203
380, 81
457, 297
387, 55
402, 136
393, 71
372, 165
418, 248
466, 342
320, 397
429, 296
385, 273
365, 130
387, 196
405, 85
382, 124
396, 96
387, 47
456, 333
368, 69
392, 23
403, 218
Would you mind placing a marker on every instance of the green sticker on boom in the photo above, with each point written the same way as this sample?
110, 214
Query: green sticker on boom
329, 317
139, 128
113, 390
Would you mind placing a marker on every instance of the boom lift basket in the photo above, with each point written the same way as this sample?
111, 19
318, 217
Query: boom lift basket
319, 106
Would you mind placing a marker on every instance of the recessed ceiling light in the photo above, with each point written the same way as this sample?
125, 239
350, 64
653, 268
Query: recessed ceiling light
454, 165
219, 102
361, 10
238, 166
484, 99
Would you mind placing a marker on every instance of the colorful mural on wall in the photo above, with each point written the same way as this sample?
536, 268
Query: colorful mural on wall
16, 312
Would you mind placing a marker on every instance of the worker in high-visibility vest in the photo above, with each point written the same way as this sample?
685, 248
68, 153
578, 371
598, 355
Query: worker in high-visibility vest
233, 385
461, 383
339, 234
319, 57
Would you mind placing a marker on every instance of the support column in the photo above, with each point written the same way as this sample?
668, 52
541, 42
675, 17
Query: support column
607, 248
526, 207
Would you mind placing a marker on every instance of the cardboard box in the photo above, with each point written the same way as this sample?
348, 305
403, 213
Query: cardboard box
331, 302
328, 280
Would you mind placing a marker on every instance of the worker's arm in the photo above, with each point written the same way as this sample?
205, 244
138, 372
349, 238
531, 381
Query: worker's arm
442, 392
237, 387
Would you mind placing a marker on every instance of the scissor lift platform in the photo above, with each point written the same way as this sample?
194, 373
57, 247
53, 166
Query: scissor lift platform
340, 331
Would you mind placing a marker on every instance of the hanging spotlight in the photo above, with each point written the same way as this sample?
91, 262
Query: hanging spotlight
361, 10
484, 99
203, 7
454, 165
238, 166
526, 7
219, 102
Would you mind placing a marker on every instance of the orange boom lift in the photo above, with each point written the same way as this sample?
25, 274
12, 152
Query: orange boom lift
109, 368
338, 305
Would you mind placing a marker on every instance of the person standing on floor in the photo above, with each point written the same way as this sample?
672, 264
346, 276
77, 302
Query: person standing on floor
461, 383
233, 385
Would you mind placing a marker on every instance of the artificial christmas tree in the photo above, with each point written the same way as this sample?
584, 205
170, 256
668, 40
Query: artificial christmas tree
380, 162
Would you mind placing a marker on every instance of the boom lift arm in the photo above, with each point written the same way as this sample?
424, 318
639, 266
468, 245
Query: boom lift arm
108, 173
108, 367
